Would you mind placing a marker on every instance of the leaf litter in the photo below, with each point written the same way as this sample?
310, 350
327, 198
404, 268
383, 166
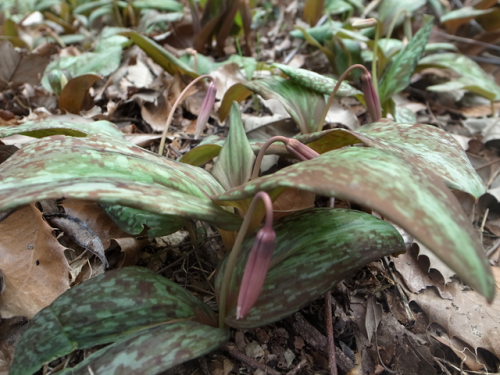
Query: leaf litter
375, 330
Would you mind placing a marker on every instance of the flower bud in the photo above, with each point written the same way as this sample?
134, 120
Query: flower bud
300, 150
206, 108
371, 97
255, 270
365, 24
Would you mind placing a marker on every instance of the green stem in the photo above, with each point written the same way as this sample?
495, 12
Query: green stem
181, 97
394, 21
336, 88
228, 272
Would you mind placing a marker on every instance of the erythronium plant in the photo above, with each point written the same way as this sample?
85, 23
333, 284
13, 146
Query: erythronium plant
400, 175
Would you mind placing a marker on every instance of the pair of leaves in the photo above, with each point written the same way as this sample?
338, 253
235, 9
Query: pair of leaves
414, 198
133, 307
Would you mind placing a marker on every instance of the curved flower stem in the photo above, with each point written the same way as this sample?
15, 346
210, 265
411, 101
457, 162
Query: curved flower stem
394, 21
262, 152
181, 97
228, 272
336, 88
375, 56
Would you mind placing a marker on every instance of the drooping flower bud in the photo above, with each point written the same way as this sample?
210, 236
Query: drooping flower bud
300, 150
364, 24
371, 97
255, 270
206, 108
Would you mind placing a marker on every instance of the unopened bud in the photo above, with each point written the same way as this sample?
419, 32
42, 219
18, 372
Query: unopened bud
371, 97
300, 150
206, 108
255, 271
365, 24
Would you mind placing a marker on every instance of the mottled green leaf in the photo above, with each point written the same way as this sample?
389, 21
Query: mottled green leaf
417, 201
390, 8
317, 82
161, 56
137, 222
304, 105
110, 171
432, 47
465, 83
53, 126
405, 116
397, 76
454, 19
204, 152
101, 63
234, 164
104, 309
465, 67
154, 350
309, 260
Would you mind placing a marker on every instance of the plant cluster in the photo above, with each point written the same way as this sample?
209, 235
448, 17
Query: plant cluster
399, 169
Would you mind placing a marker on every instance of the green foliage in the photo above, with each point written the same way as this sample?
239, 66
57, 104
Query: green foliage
397, 76
310, 260
105, 309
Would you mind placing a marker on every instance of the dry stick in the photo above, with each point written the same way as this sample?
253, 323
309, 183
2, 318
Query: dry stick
336, 88
297, 368
181, 97
329, 332
249, 361
231, 261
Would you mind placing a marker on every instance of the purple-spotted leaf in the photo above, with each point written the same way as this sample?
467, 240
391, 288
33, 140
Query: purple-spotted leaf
234, 164
424, 146
317, 82
309, 260
414, 198
104, 309
161, 56
54, 126
304, 105
110, 171
154, 350
471, 73
397, 76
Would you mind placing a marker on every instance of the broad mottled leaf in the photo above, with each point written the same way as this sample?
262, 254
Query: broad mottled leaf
424, 146
149, 197
309, 260
390, 8
102, 63
161, 56
304, 105
104, 309
417, 201
454, 19
397, 76
234, 164
154, 350
465, 67
427, 147
317, 82
137, 222
48, 127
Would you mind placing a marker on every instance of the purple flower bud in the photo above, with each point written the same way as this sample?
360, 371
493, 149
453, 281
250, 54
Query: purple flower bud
255, 270
371, 97
300, 150
206, 108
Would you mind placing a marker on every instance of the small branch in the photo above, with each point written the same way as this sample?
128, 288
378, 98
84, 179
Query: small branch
329, 332
236, 353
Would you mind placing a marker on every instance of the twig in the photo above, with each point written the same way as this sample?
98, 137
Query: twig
402, 296
236, 353
487, 164
493, 248
329, 331
297, 368
469, 41
185, 255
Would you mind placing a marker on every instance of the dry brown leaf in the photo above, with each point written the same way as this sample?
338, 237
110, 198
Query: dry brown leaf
292, 200
18, 69
33, 262
155, 114
75, 95
420, 269
467, 317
